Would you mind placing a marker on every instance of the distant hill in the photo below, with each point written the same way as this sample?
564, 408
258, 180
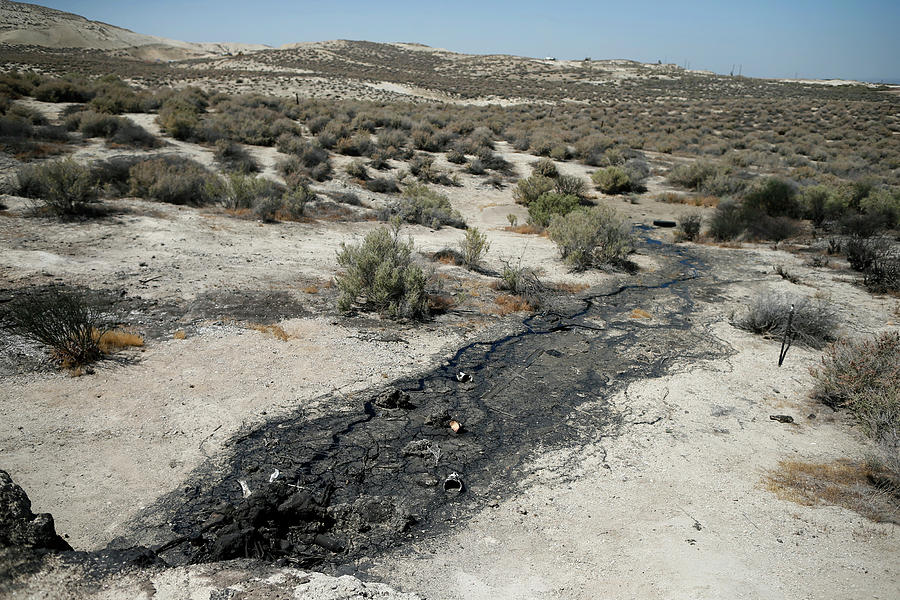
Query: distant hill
31, 24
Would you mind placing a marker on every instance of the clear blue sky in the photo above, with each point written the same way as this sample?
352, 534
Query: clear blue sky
824, 38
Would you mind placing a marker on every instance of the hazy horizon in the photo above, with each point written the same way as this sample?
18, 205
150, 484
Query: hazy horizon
820, 40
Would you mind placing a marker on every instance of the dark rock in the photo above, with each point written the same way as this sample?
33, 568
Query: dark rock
19, 527
393, 398
329, 543
438, 419
664, 223
782, 418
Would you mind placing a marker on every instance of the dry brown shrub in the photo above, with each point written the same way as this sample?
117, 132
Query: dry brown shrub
438, 303
846, 483
640, 313
179, 335
690, 199
310, 289
511, 303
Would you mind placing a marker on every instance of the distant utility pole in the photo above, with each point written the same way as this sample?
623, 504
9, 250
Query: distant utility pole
732, 70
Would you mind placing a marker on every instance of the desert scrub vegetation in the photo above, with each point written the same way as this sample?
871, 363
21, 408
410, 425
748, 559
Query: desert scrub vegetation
863, 376
529, 189
380, 274
813, 324
234, 158
473, 247
550, 204
175, 180
307, 159
67, 188
689, 227
420, 204
116, 130
592, 237
612, 180
70, 324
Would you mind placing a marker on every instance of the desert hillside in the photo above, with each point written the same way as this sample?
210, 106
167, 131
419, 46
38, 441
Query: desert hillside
31, 24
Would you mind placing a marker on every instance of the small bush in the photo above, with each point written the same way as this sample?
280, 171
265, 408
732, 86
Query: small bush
422, 205
456, 157
521, 281
475, 167
773, 197
813, 324
245, 191
727, 222
68, 323
66, 187
530, 189
864, 377
357, 170
382, 185
544, 168
175, 180
235, 158
380, 274
570, 185
693, 175
612, 180
592, 237
549, 204
689, 226
473, 247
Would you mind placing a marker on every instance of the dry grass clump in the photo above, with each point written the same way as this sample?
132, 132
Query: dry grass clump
690, 199
512, 303
857, 486
275, 331
813, 324
117, 339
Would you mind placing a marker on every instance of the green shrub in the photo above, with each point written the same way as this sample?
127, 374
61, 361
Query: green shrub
68, 323
693, 175
815, 201
422, 205
813, 324
245, 191
592, 237
545, 168
379, 274
175, 180
570, 185
67, 188
530, 189
864, 377
473, 247
612, 180
885, 203
727, 221
774, 197
60, 90
549, 204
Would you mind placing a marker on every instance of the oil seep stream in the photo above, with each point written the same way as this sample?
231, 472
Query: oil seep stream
333, 489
